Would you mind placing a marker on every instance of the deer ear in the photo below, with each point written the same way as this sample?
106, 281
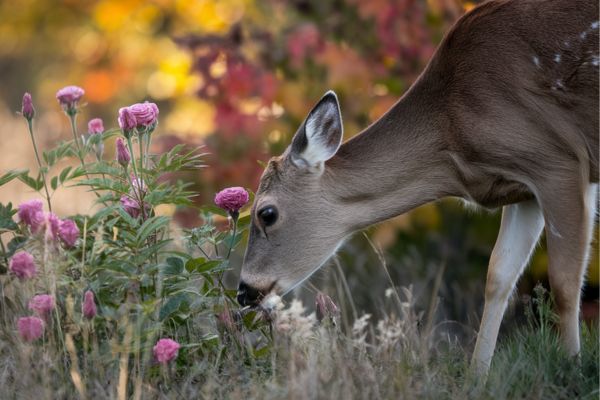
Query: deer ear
320, 136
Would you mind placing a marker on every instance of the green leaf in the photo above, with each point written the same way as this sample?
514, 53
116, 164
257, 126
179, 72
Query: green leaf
214, 210
149, 251
200, 265
64, 173
125, 267
56, 154
35, 184
174, 266
101, 215
15, 244
76, 173
6, 217
244, 221
99, 184
262, 352
193, 263
132, 222
249, 319
211, 339
104, 168
173, 304
12, 174
54, 182
150, 226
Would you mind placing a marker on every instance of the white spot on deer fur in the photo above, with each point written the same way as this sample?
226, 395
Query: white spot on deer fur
557, 58
583, 35
566, 43
536, 61
595, 25
595, 61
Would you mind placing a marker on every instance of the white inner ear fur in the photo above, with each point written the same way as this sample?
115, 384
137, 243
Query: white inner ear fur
321, 124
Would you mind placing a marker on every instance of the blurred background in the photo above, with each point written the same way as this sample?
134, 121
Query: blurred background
239, 76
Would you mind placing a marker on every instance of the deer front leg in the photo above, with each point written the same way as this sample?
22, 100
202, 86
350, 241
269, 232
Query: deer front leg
570, 217
520, 230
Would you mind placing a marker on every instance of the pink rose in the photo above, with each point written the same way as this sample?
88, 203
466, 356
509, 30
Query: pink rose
88, 307
127, 121
22, 265
232, 199
69, 96
27, 107
139, 115
52, 226
31, 214
30, 328
138, 185
123, 155
166, 350
95, 126
42, 304
145, 114
68, 232
132, 206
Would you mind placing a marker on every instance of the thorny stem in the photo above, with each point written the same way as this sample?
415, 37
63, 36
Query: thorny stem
37, 156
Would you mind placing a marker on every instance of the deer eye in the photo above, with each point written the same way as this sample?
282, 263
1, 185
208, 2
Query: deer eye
268, 215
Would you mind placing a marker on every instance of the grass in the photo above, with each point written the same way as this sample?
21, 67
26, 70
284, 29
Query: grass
305, 359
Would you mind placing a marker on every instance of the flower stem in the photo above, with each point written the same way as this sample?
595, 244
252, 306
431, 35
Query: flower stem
232, 242
138, 180
141, 145
37, 156
137, 195
147, 153
234, 217
72, 118
3, 253
130, 146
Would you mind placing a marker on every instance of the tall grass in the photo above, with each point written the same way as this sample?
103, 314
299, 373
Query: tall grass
301, 358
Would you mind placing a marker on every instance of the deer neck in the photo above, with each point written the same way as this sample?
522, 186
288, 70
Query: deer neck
398, 163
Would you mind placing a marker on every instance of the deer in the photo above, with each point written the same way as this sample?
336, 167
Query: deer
505, 114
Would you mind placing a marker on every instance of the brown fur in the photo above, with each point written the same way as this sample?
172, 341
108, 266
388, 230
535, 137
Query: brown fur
506, 112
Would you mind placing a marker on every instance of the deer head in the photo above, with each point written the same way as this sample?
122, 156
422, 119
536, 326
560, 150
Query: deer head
295, 223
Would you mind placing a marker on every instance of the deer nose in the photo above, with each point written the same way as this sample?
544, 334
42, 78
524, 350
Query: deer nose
247, 295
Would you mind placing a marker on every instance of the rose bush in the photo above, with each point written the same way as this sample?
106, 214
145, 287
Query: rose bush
119, 268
